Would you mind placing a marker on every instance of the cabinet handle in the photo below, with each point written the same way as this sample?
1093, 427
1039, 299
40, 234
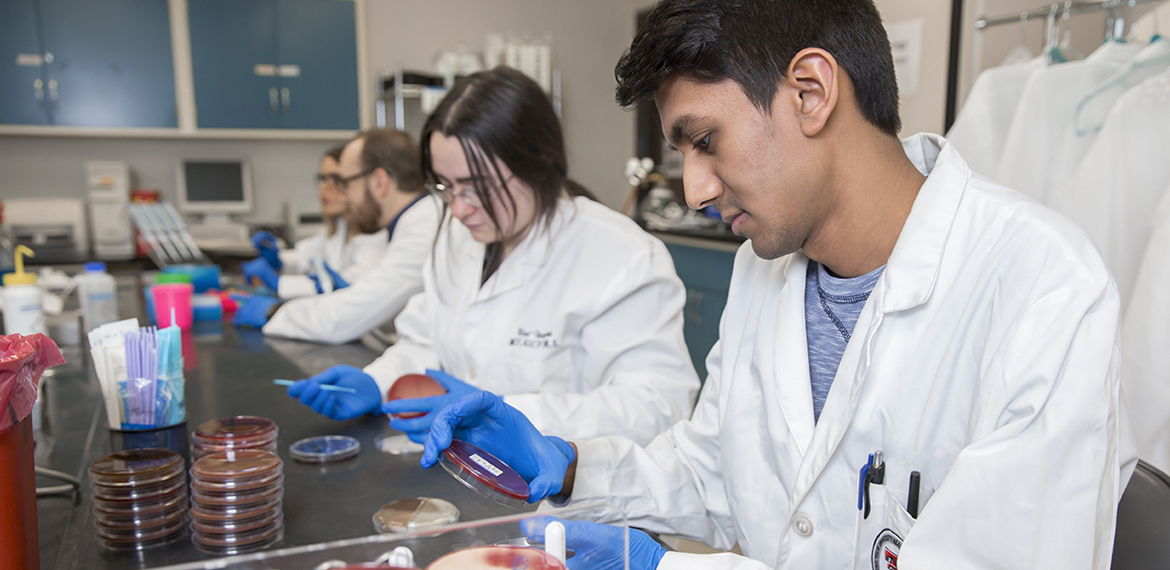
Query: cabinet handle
53, 96
273, 100
285, 99
39, 86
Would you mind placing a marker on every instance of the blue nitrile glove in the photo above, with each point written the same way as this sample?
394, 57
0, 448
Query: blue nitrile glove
260, 267
599, 546
338, 281
417, 429
485, 421
266, 244
254, 311
339, 405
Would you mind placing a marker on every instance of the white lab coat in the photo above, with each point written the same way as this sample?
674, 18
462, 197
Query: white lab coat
1145, 344
1046, 108
351, 259
984, 359
982, 126
1116, 188
581, 326
374, 298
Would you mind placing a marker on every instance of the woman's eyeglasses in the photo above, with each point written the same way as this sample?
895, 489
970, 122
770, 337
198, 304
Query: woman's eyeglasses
467, 192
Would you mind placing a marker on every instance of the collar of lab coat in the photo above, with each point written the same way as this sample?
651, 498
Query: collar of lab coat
530, 254
913, 267
1114, 54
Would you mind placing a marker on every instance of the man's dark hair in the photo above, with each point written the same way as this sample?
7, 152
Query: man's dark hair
397, 154
752, 42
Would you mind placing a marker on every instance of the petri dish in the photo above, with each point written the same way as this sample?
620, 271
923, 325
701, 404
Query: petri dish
397, 444
237, 428
523, 541
118, 545
325, 449
135, 467
199, 450
413, 386
141, 535
483, 473
118, 523
150, 493
234, 511
497, 557
232, 497
239, 526
409, 515
239, 543
237, 484
140, 508
225, 465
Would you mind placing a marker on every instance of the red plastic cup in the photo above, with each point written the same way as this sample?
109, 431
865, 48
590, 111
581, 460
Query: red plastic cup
176, 296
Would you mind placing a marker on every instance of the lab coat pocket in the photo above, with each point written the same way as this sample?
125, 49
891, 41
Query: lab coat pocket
880, 536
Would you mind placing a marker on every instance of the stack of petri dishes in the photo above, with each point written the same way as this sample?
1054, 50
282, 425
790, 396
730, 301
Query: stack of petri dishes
235, 433
236, 501
139, 497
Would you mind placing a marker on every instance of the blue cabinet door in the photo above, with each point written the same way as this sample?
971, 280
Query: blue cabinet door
706, 273
318, 38
229, 38
20, 50
112, 64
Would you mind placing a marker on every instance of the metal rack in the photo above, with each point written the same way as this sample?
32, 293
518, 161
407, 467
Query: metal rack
1115, 25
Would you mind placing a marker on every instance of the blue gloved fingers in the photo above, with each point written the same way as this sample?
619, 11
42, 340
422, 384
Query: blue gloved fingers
419, 437
294, 391
546, 484
562, 446
323, 403
413, 404
339, 282
309, 392
444, 424
263, 239
331, 375
533, 528
599, 545
422, 423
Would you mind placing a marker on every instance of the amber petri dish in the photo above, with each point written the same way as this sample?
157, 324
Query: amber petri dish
234, 526
239, 543
408, 515
135, 467
148, 493
242, 497
486, 557
141, 535
140, 507
237, 484
231, 465
234, 511
156, 520
414, 386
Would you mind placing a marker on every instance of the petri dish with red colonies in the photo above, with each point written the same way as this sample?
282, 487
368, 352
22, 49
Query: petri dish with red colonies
412, 386
485, 474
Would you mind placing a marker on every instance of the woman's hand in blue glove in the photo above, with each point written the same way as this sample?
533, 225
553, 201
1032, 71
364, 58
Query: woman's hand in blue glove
417, 429
335, 278
485, 421
339, 405
599, 546
261, 269
253, 311
266, 244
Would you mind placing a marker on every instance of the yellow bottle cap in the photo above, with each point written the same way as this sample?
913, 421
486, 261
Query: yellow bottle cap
19, 277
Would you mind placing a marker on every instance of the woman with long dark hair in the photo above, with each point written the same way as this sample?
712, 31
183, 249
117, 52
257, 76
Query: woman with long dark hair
533, 291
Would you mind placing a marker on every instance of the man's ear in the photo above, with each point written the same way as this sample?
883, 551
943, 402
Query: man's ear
812, 76
381, 183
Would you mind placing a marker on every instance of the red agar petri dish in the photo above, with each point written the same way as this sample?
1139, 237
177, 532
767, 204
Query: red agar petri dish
414, 386
135, 467
235, 511
234, 428
259, 521
486, 557
485, 474
233, 465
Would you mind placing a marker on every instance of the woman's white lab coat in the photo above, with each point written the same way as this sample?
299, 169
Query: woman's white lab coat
351, 258
581, 326
375, 297
985, 359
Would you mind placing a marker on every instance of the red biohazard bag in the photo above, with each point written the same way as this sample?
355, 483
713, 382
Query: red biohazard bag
22, 361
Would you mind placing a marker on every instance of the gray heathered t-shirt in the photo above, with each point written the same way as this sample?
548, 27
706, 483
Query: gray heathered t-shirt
831, 308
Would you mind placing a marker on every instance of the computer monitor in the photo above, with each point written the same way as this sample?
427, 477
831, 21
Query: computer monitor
215, 186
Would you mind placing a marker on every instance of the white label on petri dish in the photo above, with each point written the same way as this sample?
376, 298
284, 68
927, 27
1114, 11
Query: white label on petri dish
484, 463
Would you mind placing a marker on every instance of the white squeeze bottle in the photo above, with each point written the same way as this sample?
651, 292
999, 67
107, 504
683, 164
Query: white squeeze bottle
99, 296
22, 299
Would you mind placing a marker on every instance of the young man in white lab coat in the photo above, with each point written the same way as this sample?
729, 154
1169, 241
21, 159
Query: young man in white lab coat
891, 314
381, 177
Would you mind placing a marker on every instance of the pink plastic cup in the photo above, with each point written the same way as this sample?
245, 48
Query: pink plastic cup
176, 296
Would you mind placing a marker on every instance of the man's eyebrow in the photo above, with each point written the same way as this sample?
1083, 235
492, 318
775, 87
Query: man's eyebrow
682, 124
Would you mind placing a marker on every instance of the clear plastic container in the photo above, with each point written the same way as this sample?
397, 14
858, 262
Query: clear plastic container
98, 293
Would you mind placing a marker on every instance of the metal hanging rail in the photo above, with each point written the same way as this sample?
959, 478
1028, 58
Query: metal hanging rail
1058, 8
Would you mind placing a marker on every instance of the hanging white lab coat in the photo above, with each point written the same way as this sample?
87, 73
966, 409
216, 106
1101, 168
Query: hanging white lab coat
581, 326
1145, 344
1114, 191
984, 359
1046, 108
375, 297
982, 126
351, 258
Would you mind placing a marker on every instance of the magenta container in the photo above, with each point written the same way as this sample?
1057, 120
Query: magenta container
178, 296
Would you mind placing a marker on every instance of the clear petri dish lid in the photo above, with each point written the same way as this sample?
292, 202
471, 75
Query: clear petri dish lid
408, 515
140, 507
236, 526
242, 497
224, 465
235, 428
485, 474
325, 449
242, 541
237, 484
156, 492
397, 444
234, 511
484, 557
136, 465
414, 386
140, 522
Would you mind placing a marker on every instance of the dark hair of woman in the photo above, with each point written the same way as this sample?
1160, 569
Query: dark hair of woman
331, 221
502, 115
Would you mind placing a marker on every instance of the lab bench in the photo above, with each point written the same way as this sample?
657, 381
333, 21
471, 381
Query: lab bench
231, 374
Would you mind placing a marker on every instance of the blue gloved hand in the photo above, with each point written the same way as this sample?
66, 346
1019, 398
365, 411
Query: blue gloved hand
266, 244
599, 546
339, 405
253, 312
417, 429
485, 421
335, 278
260, 268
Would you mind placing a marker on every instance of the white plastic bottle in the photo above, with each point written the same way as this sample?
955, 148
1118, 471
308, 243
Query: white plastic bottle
99, 296
22, 299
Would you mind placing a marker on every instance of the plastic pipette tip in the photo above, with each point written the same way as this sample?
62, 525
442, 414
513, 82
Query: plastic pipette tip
326, 387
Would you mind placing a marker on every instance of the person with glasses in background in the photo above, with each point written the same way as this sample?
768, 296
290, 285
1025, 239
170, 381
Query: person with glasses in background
347, 249
382, 190
533, 290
